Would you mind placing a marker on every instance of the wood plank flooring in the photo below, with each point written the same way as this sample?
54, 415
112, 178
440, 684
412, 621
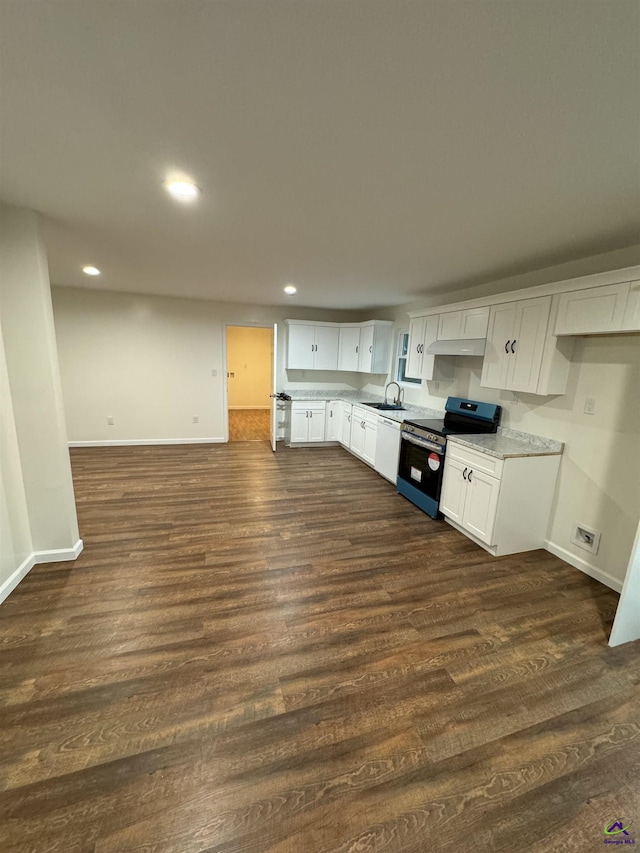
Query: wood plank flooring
261, 653
249, 424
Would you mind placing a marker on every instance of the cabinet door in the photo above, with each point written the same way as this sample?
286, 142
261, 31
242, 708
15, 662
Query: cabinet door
416, 344
333, 421
358, 425
527, 346
299, 424
348, 348
326, 354
365, 355
596, 309
480, 506
370, 435
631, 319
316, 423
497, 352
454, 490
346, 425
474, 323
449, 325
301, 347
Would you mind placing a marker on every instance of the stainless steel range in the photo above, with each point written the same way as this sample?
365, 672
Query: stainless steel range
423, 446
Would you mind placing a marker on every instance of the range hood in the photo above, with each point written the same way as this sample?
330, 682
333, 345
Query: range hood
470, 346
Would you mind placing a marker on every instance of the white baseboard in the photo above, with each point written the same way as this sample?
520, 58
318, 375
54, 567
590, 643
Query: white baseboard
583, 565
143, 441
56, 555
59, 555
13, 580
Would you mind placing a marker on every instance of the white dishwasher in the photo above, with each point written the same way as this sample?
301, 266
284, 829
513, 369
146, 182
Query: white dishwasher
387, 448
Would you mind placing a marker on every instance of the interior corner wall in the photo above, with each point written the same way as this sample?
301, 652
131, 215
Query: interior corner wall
15, 534
26, 317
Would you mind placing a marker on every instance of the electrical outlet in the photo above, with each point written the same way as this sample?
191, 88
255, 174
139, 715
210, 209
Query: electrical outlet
585, 537
590, 405
110, 420
196, 419
214, 372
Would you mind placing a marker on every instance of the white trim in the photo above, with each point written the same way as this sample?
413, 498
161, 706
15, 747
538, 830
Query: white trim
59, 555
144, 441
13, 580
56, 555
584, 566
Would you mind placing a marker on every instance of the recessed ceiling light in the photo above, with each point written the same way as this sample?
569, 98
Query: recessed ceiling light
89, 270
290, 289
182, 190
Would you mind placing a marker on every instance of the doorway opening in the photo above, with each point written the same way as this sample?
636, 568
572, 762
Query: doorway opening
249, 382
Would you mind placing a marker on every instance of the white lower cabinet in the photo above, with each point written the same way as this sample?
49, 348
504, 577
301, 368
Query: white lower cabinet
364, 428
307, 422
503, 505
333, 421
345, 436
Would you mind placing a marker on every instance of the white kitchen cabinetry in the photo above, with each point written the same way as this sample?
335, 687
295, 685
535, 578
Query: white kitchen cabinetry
598, 310
312, 346
373, 349
422, 332
349, 348
503, 505
307, 422
333, 421
387, 448
364, 429
345, 436
464, 324
522, 354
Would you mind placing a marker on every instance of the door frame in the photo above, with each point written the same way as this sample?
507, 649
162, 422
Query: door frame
225, 394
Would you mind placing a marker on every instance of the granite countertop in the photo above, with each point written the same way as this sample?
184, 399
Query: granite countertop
509, 443
355, 397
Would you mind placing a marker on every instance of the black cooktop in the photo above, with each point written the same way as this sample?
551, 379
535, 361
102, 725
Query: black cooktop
438, 427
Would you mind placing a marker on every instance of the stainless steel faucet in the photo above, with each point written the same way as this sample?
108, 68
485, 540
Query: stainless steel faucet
396, 400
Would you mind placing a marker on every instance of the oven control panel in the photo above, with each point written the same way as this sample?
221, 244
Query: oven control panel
424, 433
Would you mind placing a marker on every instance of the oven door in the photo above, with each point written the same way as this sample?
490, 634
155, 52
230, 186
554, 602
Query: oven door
420, 472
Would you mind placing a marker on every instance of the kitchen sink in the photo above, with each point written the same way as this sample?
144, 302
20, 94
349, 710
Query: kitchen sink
385, 407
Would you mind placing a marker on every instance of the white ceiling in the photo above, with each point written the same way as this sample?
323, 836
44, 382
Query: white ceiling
367, 150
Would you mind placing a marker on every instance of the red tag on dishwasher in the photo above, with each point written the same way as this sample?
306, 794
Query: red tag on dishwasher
433, 461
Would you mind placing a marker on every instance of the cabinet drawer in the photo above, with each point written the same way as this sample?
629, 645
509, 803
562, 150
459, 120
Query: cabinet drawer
474, 459
593, 311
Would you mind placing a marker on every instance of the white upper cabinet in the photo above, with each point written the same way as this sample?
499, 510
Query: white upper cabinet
631, 319
362, 347
349, 348
312, 346
422, 332
375, 341
521, 353
593, 311
599, 310
463, 325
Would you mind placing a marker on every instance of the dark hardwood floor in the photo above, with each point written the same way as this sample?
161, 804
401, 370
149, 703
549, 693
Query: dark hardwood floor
279, 653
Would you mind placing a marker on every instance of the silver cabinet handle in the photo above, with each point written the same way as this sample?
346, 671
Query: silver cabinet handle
371, 348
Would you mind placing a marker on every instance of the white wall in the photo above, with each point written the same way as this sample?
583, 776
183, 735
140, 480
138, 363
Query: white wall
147, 361
36, 471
